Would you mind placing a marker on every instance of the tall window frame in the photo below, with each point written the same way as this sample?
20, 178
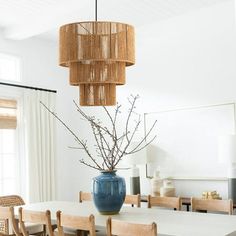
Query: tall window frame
10, 67
9, 162
15, 162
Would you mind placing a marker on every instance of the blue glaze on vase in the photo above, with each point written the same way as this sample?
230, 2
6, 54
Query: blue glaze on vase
109, 192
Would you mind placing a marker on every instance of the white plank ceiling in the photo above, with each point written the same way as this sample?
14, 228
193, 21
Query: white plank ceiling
21, 19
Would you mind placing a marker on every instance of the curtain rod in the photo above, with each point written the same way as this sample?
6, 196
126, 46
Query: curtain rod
28, 87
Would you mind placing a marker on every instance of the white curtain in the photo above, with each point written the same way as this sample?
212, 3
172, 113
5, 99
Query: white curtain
40, 145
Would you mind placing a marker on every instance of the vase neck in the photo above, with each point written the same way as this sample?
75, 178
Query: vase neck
109, 172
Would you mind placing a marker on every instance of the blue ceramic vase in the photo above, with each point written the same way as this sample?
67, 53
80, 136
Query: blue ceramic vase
109, 192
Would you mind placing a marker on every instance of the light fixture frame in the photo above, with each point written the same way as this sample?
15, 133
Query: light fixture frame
97, 53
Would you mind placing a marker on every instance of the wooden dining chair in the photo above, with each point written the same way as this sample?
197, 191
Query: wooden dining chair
85, 196
129, 199
37, 217
214, 205
80, 224
121, 228
12, 201
134, 200
7, 214
168, 202
8, 201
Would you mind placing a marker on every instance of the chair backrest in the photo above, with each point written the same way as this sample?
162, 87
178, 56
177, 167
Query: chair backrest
9, 201
37, 217
212, 205
169, 202
7, 214
75, 222
84, 196
118, 227
133, 200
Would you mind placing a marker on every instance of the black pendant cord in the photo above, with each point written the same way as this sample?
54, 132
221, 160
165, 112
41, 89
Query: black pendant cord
96, 10
27, 87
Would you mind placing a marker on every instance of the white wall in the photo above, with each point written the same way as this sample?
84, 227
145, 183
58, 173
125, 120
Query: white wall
184, 61
187, 61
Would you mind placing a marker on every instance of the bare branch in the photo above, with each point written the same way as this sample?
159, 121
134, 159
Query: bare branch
146, 136
129, 115
94, 167
91, 119
75, 136
75, 147
102, 151
109, 146
114, 133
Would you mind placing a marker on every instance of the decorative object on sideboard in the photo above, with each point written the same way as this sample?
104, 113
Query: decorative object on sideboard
168, 189
211, 195
156, 183
133, 160
111, 145
97, 53
227, 156
156, 155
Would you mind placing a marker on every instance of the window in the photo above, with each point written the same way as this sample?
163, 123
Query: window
8, 154
9, 164
8, 160
7, 114
9, 67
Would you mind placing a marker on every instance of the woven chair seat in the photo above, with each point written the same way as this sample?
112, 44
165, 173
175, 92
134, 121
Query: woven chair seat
34, 229
67, 232
100, 231
11, 200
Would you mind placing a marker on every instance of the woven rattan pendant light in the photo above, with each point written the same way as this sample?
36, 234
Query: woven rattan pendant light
97, 53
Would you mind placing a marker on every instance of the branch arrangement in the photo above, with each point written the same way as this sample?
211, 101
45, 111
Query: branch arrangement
110, 145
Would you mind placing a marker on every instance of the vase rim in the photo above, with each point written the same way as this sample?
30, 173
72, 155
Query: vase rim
108, 171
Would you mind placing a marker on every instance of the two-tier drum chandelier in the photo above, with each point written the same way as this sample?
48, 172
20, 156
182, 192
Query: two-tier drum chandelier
97, 53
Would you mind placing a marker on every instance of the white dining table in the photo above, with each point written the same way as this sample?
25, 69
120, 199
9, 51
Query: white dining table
169, 222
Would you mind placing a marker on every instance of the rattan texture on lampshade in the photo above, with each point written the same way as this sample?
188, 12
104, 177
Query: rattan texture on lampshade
97, 94
97, 73
97, 54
